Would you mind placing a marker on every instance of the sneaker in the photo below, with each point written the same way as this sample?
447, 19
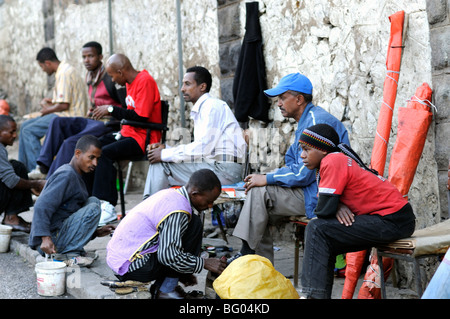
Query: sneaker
36, 174
108, 214
90, 254
80, 261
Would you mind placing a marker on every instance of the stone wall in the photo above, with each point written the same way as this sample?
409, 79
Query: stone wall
21, 37
342, 48
340, 45
439, 20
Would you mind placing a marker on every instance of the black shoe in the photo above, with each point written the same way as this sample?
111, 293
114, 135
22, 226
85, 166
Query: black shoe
154, 289
195, 294
231, 259
44, 169
178, 293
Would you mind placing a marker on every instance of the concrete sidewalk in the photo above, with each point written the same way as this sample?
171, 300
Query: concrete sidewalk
85, 283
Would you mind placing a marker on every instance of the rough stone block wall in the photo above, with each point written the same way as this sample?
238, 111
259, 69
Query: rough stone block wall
439, 20
341, 46
21, 37
230, 40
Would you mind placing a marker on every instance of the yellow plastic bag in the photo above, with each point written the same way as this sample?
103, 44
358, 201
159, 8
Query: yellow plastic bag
253, 277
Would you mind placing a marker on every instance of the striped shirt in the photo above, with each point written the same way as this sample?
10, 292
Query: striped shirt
70, 88
170, 251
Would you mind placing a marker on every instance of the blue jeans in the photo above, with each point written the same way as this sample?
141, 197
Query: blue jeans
325, 238
77, 230
30, 136
62, 136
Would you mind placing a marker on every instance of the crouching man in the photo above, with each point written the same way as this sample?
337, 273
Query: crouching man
160, 239
65, 218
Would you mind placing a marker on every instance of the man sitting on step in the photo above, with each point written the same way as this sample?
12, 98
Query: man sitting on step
65, 218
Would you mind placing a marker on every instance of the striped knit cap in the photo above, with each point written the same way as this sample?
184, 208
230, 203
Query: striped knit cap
320, 136
323, 137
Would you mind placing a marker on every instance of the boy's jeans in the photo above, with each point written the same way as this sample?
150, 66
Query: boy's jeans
327, 238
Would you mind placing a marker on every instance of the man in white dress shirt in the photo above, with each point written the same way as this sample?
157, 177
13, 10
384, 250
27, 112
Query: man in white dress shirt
218, 142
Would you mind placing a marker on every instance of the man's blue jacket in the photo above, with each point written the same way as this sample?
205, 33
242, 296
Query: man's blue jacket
294, 174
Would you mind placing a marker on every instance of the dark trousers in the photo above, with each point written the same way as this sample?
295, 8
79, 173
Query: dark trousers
104, 183
153, 270
325, 238
15, 201
61, 138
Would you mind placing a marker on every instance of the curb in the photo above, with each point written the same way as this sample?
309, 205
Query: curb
81, 283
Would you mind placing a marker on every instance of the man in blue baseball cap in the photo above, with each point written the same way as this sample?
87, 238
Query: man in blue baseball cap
292, 189
294, 81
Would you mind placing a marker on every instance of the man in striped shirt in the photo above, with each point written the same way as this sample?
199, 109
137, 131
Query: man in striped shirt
69, 99
160, 238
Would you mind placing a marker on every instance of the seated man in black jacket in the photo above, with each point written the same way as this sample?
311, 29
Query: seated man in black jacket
64, 132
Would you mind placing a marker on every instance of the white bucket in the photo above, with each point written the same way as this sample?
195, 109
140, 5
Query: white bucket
51, 278
5, 237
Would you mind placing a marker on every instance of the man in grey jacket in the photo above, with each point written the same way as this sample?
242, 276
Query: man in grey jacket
15, 187
65, 217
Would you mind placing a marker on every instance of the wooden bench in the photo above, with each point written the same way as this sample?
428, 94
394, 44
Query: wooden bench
432, 241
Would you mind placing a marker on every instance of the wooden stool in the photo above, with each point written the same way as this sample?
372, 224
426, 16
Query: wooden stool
300, 224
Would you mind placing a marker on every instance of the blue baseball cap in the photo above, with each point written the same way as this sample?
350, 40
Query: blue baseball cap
294, 81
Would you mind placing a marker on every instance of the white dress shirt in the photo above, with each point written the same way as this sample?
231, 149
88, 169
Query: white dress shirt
216, 133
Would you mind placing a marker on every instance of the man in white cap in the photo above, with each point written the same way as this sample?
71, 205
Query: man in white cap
292, 189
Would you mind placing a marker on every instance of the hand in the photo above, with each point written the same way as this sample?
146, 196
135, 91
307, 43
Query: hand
99, 112
344, 215
47, 245
46, 105
104, 230
215, 265
37, 186
254, 180
40, 183
154, 155
46, 102
154, 145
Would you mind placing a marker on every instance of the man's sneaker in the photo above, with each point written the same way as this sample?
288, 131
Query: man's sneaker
36, 174
80, 261
108, 214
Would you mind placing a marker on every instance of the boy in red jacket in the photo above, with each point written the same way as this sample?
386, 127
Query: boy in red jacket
356, 209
